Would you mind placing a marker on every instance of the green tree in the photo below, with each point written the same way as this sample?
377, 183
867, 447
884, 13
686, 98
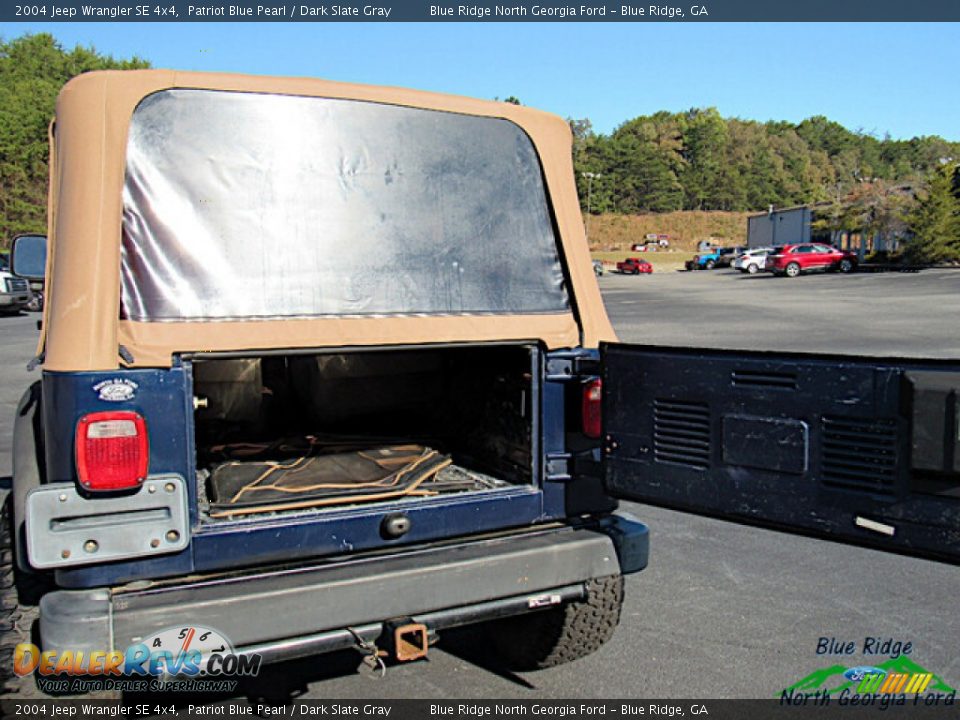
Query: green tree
718, 163
637, 177
935, 223
584, 140
872, 208
33, 68
827, 135
705, 140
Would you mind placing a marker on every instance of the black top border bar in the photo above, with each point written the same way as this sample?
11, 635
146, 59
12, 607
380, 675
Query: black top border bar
488, 12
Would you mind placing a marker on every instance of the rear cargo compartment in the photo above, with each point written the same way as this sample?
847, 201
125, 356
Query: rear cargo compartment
308, 432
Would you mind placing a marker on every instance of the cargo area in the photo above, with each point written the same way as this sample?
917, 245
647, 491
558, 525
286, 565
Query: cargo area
311, 432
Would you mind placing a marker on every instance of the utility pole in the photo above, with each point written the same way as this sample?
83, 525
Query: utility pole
590, 177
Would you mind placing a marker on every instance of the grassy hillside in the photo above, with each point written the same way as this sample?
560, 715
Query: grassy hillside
685, 228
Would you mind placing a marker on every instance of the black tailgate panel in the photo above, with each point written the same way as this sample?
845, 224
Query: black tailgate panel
816, 443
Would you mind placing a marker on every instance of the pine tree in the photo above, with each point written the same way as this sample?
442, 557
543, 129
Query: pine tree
935, 222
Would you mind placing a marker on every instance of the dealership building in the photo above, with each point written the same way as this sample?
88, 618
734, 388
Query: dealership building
795, 225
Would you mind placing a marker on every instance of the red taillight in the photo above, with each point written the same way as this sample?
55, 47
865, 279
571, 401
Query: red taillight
591, 412
112, 450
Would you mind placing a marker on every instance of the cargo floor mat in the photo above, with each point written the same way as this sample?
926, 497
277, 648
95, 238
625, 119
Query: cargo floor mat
241, 487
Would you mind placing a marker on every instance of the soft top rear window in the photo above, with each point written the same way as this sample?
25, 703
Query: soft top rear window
246, 206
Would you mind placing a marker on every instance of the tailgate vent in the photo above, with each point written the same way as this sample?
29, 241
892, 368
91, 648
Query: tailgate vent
681, 433
859, 454
764, 379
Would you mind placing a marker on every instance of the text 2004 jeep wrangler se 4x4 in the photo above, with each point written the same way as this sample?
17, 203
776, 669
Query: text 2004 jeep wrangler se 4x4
319, 368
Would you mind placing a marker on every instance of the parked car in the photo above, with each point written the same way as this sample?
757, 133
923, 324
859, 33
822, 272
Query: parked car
15, 292
752, 261
634, 266
705, 260
728, 255
713, 258
791, 260
597, 268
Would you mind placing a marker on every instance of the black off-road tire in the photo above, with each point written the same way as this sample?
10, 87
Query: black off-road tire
19, 595
562, 634
710, 265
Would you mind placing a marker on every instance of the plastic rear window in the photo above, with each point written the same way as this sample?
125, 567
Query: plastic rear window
246, 206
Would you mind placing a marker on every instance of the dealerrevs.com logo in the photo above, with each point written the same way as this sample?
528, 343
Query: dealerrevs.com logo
896, 680
188, 658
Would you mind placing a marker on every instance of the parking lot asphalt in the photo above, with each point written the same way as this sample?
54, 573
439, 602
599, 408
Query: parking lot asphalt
18, 345
724, 610
884, 314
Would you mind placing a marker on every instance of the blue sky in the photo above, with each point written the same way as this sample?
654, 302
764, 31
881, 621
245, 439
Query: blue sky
875, 77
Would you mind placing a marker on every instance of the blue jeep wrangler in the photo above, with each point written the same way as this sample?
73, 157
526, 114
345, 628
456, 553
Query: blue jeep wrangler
319, 370
713, 258
705, 260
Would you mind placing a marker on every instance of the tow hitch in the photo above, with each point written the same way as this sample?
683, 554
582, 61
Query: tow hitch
406, 640
402, 640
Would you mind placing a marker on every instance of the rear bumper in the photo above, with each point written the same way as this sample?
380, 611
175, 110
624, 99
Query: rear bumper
305, 610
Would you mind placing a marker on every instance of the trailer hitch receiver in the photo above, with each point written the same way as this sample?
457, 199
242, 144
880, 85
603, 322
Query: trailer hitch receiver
406, 640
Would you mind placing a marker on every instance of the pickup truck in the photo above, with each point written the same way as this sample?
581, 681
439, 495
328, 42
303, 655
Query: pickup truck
15, 292
634, 266
714, 258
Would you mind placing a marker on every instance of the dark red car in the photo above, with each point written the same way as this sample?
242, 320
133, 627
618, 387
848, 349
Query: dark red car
634, 266
791, 260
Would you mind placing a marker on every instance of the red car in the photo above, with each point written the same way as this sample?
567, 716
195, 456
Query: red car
791, 260
634, 266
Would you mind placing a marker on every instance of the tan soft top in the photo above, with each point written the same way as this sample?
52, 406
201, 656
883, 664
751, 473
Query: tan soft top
82, 329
